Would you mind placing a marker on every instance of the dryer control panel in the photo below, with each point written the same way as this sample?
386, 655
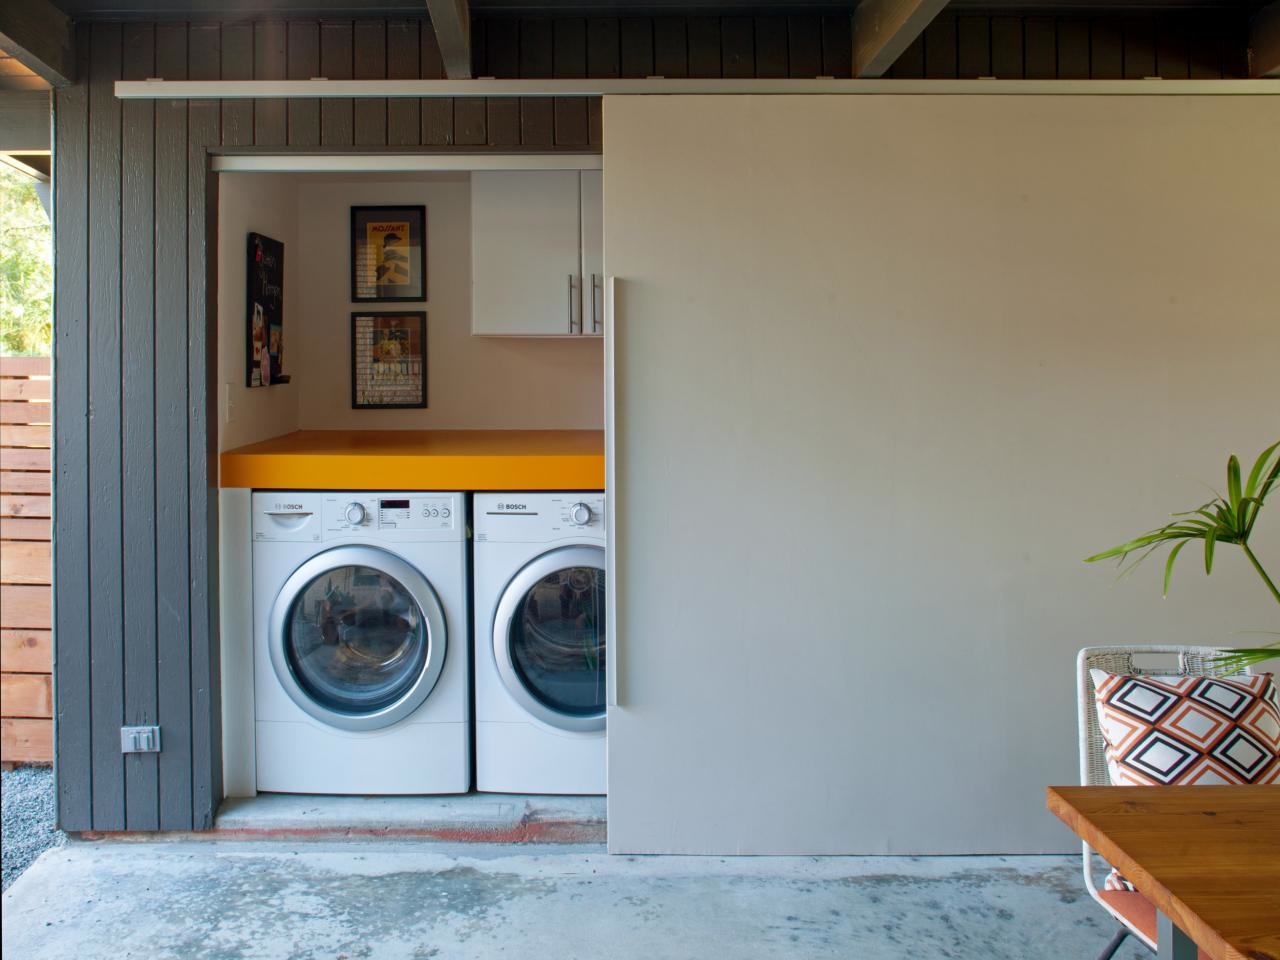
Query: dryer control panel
539, 517
351, 514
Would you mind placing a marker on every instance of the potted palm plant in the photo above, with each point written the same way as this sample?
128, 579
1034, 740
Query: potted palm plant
1224, 519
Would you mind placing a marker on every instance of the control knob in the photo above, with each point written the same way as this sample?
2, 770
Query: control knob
580, 514
355, 514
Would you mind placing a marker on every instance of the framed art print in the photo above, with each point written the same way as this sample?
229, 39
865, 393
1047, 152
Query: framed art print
388, 360
388, 254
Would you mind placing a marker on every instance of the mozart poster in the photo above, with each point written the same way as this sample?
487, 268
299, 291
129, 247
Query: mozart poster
388, 254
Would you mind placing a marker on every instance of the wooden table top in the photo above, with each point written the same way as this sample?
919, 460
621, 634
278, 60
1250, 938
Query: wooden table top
1207, 857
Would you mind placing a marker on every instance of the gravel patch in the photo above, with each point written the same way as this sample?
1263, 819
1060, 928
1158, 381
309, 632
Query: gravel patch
29, 818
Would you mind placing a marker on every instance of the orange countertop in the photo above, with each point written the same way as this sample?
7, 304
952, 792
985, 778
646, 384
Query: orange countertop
419, 460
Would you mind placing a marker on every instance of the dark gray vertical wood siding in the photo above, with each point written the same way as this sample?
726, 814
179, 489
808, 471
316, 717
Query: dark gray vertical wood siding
270, 116
173, 599
137, 262
105, 541
370, 40
537, 114
204, 46
72, 635
1074, 48
404, 49
337, 115
303, 64
237, 64
136, 509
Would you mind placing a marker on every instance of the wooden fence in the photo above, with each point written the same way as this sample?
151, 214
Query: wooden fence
26, 484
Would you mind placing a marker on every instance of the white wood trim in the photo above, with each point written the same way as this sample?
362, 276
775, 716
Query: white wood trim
402, 162
610, 497
235, 551
241, 89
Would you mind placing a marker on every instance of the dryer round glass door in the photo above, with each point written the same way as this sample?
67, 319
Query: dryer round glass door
549, 638
357, 638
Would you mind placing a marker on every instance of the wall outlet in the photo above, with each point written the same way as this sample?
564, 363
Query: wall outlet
139, 739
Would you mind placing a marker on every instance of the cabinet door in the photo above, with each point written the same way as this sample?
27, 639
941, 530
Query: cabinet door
592, 252
525, 260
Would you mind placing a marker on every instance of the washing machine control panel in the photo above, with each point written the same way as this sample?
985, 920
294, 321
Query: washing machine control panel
286, 517
351, 514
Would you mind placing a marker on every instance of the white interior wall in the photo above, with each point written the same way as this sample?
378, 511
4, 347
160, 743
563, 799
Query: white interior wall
886, 369
247, 203
473, 383
266, 204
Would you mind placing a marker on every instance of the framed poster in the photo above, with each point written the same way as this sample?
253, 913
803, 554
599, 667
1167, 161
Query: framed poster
388, 360
264, 329
388, 254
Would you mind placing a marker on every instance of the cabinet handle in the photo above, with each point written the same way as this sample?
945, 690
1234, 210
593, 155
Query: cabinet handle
571, 303
595, 323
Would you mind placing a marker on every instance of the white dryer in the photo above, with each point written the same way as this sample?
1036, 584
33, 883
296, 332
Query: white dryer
540, 642
361, 679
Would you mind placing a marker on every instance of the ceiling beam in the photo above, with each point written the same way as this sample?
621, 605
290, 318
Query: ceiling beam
1264, 42
38, 35
883, 29
34, 165
451, 20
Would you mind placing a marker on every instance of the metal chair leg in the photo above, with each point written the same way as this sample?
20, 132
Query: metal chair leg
1110, 949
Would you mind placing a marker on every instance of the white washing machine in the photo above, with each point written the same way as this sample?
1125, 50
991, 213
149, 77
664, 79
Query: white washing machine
540, 642
361, 680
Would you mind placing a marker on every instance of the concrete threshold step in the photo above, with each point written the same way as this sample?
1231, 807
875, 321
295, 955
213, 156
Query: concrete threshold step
473, 817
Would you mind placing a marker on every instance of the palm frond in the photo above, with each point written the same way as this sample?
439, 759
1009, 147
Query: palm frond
1235, 659
1225, 519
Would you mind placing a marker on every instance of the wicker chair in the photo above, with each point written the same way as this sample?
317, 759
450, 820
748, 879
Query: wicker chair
1136, 914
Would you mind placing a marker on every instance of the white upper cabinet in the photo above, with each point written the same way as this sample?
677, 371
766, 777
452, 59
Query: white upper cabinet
529, 273
592, 206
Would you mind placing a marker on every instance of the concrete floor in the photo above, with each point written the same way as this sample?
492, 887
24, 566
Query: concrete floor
376, 899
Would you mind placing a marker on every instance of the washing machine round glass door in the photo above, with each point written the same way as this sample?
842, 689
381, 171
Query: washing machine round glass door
549, 638
357, 638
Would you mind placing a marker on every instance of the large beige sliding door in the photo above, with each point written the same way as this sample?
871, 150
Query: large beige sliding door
886, 368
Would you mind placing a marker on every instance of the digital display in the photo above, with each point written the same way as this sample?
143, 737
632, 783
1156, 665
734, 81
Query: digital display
394, 504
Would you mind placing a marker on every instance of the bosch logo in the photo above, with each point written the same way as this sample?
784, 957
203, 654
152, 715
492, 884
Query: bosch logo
289, 506
513, 506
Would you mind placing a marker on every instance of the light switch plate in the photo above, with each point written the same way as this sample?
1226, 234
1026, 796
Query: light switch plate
139, 739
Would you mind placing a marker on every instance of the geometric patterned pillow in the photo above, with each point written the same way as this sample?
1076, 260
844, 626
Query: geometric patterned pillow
1161, 731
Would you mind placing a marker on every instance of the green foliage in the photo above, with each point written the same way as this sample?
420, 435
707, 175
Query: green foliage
1224, 519
26, 269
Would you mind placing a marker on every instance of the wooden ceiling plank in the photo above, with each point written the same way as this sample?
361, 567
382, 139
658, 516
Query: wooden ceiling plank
25, 119
451, 20
1264, 42
883, 29
38, 35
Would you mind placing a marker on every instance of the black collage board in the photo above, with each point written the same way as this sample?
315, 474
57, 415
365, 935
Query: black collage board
264, 343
